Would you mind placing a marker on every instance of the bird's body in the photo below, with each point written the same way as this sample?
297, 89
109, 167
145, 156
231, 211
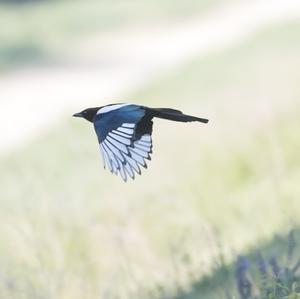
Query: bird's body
124, 134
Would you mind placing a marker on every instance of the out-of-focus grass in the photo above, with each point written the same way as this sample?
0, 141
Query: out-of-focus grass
268, 270
70, 230
33, 31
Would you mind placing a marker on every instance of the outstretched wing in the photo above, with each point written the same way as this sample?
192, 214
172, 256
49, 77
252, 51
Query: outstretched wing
124, 134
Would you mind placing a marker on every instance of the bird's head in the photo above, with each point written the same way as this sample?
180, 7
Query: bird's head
88, 114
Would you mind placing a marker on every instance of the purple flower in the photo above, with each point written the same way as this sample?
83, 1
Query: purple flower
243, 284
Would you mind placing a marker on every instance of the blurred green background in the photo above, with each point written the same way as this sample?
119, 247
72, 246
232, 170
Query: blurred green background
69, 229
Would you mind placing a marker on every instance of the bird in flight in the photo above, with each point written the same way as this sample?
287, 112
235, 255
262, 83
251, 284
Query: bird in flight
124, 134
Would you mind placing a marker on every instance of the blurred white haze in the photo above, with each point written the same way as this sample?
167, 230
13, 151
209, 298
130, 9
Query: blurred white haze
71, 230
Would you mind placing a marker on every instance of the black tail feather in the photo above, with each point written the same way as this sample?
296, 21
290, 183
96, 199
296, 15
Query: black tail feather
175, 115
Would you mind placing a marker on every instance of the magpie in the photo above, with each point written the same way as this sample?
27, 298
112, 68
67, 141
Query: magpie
124, 134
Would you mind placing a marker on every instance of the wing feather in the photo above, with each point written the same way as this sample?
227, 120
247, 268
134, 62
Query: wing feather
125, 159
139, 159
121, 139
121, 134
124, 134
106, 159
112, 159
116, 152
122, 147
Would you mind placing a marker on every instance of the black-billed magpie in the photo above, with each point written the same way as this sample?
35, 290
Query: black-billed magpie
124, 134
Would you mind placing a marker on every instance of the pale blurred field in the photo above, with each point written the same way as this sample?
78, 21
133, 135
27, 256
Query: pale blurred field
36, 32
69, 229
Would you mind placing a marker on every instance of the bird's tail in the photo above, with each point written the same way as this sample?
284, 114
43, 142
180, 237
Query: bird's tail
175, 115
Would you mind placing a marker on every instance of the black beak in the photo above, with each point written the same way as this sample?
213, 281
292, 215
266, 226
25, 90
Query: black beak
78, 114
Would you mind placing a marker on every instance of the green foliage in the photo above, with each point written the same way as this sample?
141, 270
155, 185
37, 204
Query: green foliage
274, 278
269, 270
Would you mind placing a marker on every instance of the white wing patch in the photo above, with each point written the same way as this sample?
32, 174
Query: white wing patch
122, 155
128, 125
125, 130
109, 108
